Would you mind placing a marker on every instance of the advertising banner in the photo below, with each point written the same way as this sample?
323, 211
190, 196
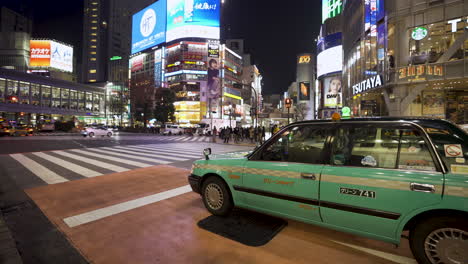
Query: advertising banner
158, 68
330, 61
433, 104
193, 19
331, 8
332, 92
136, 63
61, 56
213, 50
304, 91
214, 81
40, 53
149, 27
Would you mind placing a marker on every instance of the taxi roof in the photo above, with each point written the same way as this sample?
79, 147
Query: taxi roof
424, 121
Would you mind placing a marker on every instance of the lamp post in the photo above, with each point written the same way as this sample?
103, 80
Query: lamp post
288, 104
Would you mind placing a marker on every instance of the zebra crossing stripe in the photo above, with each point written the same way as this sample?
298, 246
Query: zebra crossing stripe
68, 165
133, 156
170, 153
37, 169
181, 152
144, 154
157, 151
106, 157
185, 139
97, 163
163, 147
201, 139
193, 139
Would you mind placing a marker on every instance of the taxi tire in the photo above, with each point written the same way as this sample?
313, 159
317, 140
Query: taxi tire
91, 134
419, 234
228, 204
109, 134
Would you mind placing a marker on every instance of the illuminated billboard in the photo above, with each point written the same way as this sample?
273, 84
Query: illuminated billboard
149, 27
193, 19
330, 61
332, 92
304, 91
48, 53
331, 8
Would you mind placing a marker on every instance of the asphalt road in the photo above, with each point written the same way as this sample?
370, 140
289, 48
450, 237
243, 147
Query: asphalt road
125, 199
38, 161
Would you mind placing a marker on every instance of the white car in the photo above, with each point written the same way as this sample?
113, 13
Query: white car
96, 131
172, 130
464, 127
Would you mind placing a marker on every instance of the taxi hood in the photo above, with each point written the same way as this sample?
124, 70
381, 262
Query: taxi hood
230, 155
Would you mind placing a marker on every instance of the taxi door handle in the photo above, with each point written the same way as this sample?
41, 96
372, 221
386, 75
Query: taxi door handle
419, 187
309, 176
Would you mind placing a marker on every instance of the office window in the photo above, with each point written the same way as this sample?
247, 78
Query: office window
93, 40
93, 34
92, 59
24, 89
93, 52
2, 90
94, 3
92, 71
94, 15
93, 46
92, 80
94, 21
12, 87
94, 28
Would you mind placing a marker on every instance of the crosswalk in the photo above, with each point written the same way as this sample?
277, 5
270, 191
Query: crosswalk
60, 166
185, 138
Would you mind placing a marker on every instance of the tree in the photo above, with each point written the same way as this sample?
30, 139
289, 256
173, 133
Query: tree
301, 111
164, 110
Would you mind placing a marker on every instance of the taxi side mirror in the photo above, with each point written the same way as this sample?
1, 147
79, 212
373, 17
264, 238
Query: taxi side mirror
207, 153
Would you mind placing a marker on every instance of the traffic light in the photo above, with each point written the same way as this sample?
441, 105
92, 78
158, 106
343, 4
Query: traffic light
288, 102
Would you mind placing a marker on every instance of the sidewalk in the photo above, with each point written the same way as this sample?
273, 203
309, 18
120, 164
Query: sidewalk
8, 252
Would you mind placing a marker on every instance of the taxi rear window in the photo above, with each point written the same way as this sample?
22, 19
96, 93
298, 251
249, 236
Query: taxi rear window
452, 145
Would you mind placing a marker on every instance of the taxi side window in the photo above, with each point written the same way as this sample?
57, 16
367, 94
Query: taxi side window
414, 152
381, 147
302, 144
451, 144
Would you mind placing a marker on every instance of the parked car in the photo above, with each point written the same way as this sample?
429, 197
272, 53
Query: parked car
16, 131
374, 177
96, 131
172, 130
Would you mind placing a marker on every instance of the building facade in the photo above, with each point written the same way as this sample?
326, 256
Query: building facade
406, 58
330, 60
305, 87
33, 99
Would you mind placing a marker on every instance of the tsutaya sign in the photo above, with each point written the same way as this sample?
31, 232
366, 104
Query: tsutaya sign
454, 23
371, 83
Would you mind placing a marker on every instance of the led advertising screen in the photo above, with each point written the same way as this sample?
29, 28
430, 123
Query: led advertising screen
158, 68
332, 92
330, 61
193, 19
304, 91
61, 56
149, 27
48, 53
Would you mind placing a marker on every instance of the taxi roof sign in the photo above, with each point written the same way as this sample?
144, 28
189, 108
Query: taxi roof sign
336, 116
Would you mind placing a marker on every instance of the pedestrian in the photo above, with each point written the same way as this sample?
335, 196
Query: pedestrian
251, 134
227, 135
263, 135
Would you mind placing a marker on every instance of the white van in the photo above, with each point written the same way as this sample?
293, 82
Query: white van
170, 129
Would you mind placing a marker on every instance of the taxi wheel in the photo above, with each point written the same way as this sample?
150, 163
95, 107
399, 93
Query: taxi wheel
109, 134
91, 134
216, 197
440, 240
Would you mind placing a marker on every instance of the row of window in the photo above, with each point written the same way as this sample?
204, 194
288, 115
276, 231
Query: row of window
13, 91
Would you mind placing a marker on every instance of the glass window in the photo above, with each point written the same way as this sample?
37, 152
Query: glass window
65, 93
55, 93
303, 144
24, 89
414, 152
364, 146
12, 87
35, 90
2, 90
46, 92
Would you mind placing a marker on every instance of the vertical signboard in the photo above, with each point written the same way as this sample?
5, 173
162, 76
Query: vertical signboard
158, 68
149, 27
40, 53
331, 8
193, 19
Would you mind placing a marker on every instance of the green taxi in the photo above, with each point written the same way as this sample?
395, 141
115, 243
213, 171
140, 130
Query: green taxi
374, 177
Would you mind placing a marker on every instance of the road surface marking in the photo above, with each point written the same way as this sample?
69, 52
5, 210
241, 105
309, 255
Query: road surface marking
140, 153
159, 151
177, 151
97, 163
133, 156
68, 165
123, 161
381, 254
37, 169
98, 214
185, 139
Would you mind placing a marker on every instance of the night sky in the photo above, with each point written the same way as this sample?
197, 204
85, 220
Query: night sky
275, 31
